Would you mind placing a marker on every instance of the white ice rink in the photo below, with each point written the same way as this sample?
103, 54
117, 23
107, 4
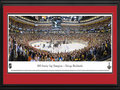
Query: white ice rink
61, 48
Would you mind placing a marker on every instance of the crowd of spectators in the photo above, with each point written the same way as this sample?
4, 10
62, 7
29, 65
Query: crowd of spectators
98, 49
99, 46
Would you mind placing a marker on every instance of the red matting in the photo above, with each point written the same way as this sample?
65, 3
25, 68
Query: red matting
59, 78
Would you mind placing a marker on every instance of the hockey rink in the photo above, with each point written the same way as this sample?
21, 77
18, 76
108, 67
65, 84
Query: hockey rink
47, 46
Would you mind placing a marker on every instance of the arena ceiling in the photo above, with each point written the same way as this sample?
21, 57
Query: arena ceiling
37, 18
48, 20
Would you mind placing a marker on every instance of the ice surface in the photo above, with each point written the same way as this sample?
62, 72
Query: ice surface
61, 48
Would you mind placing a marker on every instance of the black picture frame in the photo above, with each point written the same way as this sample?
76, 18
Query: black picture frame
59, 3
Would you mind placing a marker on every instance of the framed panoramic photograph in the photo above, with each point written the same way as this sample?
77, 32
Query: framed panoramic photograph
60, 44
